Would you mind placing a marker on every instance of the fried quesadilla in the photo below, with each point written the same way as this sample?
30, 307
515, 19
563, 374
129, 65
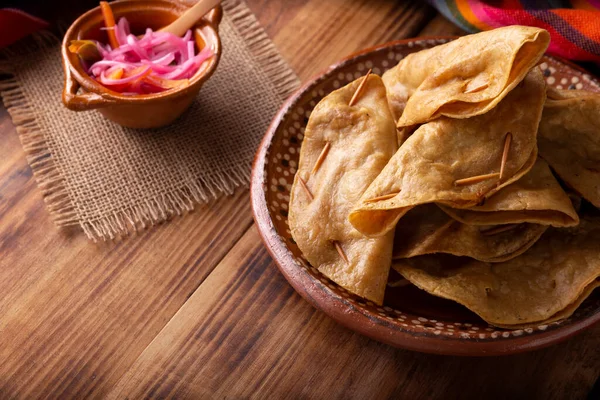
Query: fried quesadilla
456, 162
548, 279
345, 147
428, 230
569, 140
465, 77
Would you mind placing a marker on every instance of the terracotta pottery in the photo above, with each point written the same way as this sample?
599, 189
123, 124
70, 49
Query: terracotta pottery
409, 318
82, 93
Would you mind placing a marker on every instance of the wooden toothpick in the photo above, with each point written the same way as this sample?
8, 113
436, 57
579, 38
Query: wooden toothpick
499, 229
340, 251
399, 283
380, 198
306, 189
359, 89
476, 179
507, 142
477, 88
321, 158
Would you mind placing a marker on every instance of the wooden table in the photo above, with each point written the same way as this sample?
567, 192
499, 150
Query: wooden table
196, 307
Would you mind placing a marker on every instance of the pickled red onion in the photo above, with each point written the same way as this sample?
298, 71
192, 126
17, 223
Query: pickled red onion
150, 64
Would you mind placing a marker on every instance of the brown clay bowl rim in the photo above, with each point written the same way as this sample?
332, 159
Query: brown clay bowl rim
343, 311
82, 78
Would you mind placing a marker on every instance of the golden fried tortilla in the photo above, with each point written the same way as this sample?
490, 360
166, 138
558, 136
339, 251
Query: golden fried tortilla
427, 230
362, 139
536, 198
436, 157
569, 140
551, 279
562, 314
465, 77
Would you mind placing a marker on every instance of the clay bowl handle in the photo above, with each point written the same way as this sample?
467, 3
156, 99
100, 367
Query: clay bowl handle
80, 101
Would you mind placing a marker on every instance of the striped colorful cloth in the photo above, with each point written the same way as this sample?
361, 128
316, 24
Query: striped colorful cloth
574, 25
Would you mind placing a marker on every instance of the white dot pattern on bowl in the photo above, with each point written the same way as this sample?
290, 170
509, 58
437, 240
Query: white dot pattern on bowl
281, 167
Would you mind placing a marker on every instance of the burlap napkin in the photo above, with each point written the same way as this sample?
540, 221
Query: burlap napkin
112, 180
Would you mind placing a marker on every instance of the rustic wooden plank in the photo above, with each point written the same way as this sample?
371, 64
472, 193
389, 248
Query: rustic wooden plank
75, 315
274, 15
313, 34
246, 333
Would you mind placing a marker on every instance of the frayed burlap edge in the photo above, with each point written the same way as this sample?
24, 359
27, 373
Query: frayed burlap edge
159, 208
49, 179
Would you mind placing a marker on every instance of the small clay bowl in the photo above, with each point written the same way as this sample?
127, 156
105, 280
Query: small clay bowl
82, 93
409, 318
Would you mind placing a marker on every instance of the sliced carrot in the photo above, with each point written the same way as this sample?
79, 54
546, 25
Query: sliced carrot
109, 22
137, 70
134, 86
116, 74
166, 83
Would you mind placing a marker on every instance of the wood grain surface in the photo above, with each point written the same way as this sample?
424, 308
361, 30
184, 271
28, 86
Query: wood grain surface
196, 308
246, 333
